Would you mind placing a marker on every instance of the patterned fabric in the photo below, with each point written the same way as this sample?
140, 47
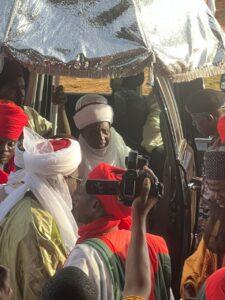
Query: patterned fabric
204, 211
114, 265
31, 247
118, 242
199, 266
214, 164
89, 260
205, 203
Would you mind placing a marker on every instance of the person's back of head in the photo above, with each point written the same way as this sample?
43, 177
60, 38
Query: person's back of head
207, 100
5, 290
69, 283
205, 107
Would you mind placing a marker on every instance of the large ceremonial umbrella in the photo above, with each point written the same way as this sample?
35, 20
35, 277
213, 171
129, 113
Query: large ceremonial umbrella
97, 38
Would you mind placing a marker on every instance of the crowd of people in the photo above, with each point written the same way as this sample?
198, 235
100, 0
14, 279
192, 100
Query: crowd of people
59, 242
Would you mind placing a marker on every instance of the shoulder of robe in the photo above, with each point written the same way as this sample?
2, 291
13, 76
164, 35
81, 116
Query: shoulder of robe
27, 214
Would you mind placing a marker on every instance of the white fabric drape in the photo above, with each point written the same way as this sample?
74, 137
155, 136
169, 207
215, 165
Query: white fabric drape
212, 5
44, 175
18, 158
114, 154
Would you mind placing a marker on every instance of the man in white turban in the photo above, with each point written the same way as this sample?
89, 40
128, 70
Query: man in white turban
98, 139
37, 227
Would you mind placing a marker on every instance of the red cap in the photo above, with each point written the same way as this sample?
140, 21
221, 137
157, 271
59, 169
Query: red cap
59, 144
12, 120
111, 204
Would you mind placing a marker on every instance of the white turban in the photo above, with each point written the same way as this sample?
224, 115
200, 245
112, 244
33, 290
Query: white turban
44, 176
92, 108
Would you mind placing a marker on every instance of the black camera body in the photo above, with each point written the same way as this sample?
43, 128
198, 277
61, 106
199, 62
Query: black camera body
131, 184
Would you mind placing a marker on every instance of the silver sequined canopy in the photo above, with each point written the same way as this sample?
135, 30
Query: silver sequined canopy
98, 38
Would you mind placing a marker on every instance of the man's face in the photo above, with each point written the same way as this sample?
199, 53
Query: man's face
97, 135
14, 91
7, 150
216, 191
82, 206
72, 182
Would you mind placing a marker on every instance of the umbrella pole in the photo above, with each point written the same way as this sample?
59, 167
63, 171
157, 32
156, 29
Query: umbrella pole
54, 107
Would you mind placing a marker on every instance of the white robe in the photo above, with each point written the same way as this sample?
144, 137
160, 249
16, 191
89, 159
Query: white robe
212, 5
90, 262
114, 154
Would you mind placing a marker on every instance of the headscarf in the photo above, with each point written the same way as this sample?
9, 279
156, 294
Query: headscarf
117, 215
12, 120
46, 163
110, 203
92, 108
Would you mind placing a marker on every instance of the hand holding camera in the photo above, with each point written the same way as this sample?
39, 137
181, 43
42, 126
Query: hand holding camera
144, 203
132, 182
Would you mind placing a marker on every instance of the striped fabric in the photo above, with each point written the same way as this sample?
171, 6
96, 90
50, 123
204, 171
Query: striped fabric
113, 248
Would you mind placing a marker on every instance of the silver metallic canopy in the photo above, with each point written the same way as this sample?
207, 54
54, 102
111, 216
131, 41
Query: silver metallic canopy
98, 38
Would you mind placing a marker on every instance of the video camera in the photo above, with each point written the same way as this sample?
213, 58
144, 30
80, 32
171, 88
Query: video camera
131, 184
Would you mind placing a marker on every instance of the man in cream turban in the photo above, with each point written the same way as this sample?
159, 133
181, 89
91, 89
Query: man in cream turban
37, 227
98, 139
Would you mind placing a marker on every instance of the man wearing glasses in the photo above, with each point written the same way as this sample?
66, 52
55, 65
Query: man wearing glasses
12, 121
205, 107
210, 254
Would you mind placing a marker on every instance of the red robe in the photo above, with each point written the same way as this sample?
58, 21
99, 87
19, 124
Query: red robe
10, 167
106, 230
